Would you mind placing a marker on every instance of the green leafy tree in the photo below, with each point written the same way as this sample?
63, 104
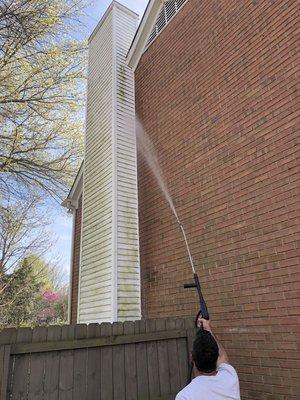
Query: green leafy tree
24, 275
28, 295
20, 293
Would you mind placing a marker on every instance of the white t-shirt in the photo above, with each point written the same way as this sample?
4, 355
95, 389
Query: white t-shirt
222, 386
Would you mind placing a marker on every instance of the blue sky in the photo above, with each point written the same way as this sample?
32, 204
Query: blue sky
98, 7
62, 222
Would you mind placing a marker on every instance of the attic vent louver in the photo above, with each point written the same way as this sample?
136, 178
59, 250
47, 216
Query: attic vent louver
169, 9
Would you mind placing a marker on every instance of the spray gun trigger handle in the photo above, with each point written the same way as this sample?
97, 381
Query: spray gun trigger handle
189, 285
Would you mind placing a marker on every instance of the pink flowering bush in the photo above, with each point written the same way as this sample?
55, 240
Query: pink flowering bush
54, 306
51, 296
33, 294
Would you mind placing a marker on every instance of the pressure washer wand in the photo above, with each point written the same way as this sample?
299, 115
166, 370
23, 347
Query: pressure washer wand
203, 312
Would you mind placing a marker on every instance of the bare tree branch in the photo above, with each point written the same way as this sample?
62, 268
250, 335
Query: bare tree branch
22, 232
41, 85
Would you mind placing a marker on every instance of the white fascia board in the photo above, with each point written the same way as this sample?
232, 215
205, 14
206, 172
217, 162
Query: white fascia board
142, 35
71, 202
107, 13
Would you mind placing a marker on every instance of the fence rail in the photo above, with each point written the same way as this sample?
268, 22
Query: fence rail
141, 360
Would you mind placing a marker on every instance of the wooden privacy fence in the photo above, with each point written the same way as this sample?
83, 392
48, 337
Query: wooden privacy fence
141, 360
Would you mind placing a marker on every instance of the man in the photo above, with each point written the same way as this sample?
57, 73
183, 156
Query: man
215, 378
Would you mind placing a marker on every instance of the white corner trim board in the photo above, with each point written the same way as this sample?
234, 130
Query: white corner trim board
71, 268
114, 242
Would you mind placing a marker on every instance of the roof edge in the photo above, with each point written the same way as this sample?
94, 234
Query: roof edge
71, 202
140, 40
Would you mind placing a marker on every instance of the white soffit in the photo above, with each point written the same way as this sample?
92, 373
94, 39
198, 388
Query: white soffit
168, 11
145, 28
157, 16
71, 202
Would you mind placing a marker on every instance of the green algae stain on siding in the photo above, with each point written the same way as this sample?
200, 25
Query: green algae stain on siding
122, 82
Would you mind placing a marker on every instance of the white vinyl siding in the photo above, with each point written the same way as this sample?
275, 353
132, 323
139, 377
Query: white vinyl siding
128, 285
96, 257
109, 277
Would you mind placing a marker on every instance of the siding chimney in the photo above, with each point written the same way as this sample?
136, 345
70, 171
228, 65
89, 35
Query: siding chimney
109, 283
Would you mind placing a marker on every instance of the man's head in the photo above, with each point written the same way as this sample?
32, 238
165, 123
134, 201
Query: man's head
205, 351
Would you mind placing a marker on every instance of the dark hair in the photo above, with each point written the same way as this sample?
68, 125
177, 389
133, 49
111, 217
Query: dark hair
205, 351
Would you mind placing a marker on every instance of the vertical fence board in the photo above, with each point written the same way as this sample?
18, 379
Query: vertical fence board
80, 365
130, 364
118, 364
52, 360
37, 366
66, 366
183, 355
4, 369
152, 360
93, 365
8, 336
163, 362
141, 364
191, 331
21, 368
106, 365
173, 358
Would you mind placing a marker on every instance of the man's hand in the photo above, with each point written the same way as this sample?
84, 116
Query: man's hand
204, 323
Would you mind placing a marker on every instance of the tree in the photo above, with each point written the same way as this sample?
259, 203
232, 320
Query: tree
22, 232
41, 82
28, 296
41, 72
32, 291
19, 292
49, 275
54, 307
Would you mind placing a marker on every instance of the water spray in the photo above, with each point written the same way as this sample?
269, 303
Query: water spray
146, 148
187, 246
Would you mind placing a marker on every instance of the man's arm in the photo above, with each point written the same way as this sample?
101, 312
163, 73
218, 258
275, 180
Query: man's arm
223, 357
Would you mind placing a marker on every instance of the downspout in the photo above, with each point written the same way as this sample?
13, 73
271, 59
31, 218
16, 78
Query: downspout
71, 265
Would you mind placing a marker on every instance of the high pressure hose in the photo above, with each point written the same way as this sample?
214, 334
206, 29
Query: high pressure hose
203, 311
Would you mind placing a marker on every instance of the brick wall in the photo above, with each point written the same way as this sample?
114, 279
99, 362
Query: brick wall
216, 93
76, 262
